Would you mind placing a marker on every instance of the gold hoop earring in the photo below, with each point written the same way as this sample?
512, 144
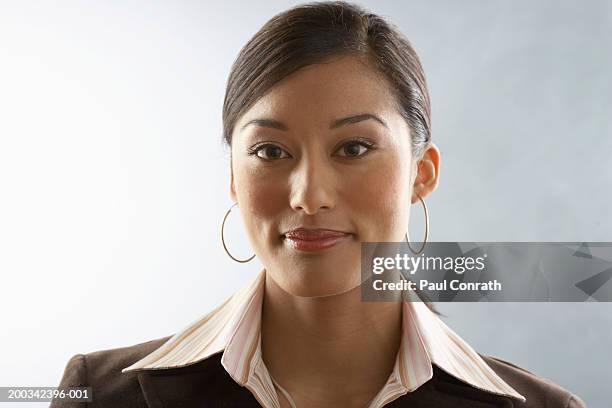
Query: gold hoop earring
426, 229
223, 240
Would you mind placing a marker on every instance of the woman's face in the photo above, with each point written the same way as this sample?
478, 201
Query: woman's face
296, 163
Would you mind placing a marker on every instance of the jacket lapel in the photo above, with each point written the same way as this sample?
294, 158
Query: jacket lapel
203, 384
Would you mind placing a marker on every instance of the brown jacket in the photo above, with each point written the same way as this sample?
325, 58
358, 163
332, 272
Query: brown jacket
206, 384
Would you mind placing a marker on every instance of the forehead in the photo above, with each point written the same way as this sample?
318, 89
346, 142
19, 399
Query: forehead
324, 91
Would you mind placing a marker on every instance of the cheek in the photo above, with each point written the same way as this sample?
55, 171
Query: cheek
382, 202
261, 198
263, 195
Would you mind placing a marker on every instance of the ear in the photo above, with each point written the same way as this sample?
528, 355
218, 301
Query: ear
428, 173
232, 187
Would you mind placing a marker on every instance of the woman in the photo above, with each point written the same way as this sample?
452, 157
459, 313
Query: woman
327, 116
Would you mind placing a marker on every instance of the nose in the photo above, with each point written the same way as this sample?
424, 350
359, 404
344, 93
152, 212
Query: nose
312, 186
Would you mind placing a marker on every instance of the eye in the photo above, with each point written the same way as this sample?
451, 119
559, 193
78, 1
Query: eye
356, 147
268, 152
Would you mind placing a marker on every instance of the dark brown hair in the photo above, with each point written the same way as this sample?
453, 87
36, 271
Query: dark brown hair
313, 32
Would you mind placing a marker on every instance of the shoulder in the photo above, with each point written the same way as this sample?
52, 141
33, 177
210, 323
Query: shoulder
101, 370
539, 391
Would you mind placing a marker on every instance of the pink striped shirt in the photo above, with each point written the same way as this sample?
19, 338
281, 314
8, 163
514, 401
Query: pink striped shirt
234, 329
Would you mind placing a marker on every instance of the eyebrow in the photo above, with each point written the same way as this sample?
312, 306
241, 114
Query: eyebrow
275, 124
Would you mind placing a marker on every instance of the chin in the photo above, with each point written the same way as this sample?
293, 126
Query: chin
308, 282
311, 274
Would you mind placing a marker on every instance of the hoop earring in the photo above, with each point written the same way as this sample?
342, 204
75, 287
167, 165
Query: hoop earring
426, 229
223, 240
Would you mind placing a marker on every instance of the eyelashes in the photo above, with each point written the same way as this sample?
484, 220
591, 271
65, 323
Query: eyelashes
266, 147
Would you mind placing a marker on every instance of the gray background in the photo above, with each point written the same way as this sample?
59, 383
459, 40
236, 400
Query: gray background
114, 181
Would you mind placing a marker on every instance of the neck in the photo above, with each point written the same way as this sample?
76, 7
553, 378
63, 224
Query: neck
329, 350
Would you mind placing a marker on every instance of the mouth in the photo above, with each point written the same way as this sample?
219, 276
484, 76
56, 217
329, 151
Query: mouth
311, 240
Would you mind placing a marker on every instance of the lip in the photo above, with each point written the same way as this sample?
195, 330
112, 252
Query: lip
305, 239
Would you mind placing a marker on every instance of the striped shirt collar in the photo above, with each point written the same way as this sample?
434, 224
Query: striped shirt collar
234, 329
